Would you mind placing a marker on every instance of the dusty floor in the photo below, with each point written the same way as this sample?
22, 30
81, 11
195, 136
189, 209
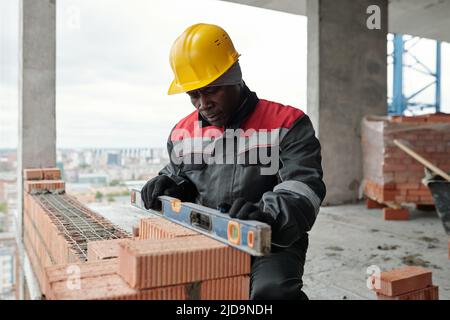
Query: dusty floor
346, 240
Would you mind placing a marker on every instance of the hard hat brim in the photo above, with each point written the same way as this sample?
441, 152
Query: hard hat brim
175, 87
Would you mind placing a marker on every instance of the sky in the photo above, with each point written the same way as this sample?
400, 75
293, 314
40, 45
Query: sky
113, 68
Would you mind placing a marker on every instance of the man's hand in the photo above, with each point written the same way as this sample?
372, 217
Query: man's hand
158, 186
244, 210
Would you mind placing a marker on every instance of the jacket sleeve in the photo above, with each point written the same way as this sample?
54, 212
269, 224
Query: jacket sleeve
295, 201
174, 172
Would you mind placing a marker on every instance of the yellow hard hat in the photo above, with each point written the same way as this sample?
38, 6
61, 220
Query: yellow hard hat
199, 56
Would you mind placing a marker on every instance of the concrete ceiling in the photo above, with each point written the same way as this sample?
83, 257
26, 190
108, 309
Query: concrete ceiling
423, 18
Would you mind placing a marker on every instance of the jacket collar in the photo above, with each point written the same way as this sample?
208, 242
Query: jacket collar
245, 109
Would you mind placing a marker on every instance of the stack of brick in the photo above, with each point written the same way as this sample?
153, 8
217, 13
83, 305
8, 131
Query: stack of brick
43, 241
47, 238
167, 262
160, 228
149, 264
103, 249
100, 281
43, 180
407, 283
391, 176
152, 228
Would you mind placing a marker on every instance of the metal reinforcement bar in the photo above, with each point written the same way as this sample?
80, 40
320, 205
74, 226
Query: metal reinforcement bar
78, 224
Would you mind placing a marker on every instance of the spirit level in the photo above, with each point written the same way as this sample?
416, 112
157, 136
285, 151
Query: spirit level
253, 237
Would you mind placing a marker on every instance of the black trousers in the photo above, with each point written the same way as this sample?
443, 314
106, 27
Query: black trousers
278, 276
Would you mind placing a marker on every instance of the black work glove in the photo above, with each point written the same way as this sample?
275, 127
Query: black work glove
159, 186
244, 210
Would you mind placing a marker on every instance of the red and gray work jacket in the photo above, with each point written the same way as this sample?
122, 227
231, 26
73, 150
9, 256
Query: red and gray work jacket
268, 154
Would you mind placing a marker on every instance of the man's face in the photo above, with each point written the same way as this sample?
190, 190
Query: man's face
216, 104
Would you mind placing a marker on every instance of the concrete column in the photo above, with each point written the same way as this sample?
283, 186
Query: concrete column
37, 127
347, 79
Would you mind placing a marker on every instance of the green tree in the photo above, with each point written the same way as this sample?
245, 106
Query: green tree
3, 207
110, 198
114, 183
98, 196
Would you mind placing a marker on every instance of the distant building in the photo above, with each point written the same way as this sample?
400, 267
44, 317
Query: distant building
113, 159
7, 183
93, 179
7, 266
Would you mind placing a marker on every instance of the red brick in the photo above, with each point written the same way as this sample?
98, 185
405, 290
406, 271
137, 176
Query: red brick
394, 167
402, 280
32, 174
388, 195
46, 245
420, 192
112, 287
234, 288
408, 186
428, 293
155, 263
99, 281
135, 231
55, 186
51, 173
389, 186
396, 214
372, 204
413, 199
161, 228
104, 249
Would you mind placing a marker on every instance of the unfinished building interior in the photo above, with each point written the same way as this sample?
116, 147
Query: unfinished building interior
396, 231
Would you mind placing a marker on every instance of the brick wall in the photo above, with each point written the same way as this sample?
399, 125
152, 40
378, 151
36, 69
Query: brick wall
166, 261
159, 228
99, 281
390, 175
406, 283
48, 240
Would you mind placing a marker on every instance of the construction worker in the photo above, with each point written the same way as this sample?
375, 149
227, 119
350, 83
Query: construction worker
219, 152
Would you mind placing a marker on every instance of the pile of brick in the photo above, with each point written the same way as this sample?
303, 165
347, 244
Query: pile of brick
57, 227
162, 261
43, 180
151, 228
172, 263
100, 281
393, 178
406, 283
157, 228
103, 249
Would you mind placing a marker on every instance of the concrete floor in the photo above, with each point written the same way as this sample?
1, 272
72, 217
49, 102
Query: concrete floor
345, 240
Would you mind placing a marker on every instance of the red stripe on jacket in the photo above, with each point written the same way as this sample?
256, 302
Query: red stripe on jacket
267, 115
